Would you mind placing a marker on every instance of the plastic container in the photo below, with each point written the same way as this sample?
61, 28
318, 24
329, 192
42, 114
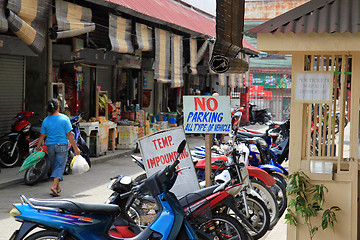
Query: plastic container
172, 120
172, 115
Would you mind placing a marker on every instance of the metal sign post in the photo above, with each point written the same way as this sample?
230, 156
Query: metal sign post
207, 115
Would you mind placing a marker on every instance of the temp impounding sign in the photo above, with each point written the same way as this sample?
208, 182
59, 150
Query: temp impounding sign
159, 150
207, 114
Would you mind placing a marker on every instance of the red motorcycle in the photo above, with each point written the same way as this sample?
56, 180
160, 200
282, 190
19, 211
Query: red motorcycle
16, 145
236, 116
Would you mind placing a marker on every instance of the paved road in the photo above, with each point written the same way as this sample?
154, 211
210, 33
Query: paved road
88, 187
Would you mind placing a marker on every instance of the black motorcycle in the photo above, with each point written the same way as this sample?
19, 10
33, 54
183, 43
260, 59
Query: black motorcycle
259, 115
42, 169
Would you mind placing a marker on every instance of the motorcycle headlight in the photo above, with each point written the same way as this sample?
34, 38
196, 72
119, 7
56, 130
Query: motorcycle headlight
26, 129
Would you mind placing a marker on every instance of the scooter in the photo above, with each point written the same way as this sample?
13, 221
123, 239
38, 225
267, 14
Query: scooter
254, 214
42, 169
66, 218
201, 208
236, 115
85, 151
14, 146
261, 115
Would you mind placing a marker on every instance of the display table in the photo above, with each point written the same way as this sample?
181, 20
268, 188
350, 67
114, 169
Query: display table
90, 130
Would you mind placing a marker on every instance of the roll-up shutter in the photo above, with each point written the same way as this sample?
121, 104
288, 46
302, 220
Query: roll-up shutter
11, 89
104, 79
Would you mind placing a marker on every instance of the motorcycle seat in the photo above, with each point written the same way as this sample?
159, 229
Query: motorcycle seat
36, 129
78, 207
248, 135
196, 195
259, 109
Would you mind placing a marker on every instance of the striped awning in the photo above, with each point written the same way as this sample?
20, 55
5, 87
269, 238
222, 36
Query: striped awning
200, 54
193, 53
72, 19
235, 80
28, 20
3, 21
176, 61
120, 34
222, 79
162, 56
211, 50
232, 80
144, 37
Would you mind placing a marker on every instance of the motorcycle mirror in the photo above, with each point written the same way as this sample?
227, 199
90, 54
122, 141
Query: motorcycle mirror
181, 146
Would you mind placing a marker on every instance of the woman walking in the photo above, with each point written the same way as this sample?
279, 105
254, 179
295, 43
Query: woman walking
57, 129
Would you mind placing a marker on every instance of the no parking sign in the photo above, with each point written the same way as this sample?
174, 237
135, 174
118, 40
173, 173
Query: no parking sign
207, 114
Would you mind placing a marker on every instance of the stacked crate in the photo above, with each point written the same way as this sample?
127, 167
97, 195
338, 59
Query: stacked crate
127, 136
140, 118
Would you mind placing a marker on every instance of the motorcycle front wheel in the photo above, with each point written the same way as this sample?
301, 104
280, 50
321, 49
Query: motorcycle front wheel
37, 172
46, 234
6, 146
259, 216
222, 226
269, 199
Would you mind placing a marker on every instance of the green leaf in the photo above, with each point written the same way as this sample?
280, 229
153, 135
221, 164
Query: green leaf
314, 229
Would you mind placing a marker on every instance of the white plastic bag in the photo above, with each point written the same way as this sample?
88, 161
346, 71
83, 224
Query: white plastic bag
79, 165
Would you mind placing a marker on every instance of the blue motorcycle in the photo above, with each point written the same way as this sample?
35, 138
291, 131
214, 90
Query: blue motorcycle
85, 151
66, 219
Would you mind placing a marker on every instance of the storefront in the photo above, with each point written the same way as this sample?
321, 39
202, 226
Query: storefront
12, 79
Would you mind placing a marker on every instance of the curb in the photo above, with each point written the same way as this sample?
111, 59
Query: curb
111, 156
94, 160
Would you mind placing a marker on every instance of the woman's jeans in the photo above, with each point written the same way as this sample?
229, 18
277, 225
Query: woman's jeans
57, 156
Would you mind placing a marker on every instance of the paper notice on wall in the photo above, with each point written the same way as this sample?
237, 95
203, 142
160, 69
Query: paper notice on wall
313, 87
159, 150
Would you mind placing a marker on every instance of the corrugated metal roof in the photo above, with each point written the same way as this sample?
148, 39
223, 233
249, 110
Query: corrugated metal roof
178, 14
318, 16
172, 12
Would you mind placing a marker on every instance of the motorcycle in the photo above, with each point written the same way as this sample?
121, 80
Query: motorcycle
42, 169
260, 115
254, 213
198, 206
85, 151
14, 146
261, 181
236, 115
68, 219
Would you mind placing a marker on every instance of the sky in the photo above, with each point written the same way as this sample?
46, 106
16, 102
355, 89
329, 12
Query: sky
208, 6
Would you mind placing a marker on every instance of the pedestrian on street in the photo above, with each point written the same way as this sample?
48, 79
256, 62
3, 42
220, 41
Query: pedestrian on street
56, 127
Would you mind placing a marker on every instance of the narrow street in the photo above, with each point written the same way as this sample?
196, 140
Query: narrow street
88, 187
92, 187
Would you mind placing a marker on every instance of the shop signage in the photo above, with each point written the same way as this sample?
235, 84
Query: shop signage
129, 61
159, 150
207, 114
313, 87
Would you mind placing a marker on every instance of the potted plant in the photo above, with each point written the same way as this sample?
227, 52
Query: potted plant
307, 202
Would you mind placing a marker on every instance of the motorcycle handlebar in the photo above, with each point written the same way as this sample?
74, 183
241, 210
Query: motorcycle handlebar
125, 195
